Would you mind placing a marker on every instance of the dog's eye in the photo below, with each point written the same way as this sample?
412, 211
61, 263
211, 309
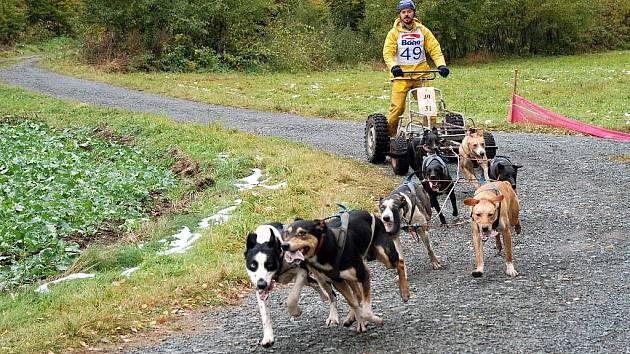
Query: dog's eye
475, 145
478, 215
302, 233
483, 144
253, 265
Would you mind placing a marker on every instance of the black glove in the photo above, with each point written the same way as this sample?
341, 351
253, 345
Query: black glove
397, 71
443, 70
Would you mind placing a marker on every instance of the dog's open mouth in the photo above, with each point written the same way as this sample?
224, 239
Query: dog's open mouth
295, 256
485, 235
264, 294
434, 186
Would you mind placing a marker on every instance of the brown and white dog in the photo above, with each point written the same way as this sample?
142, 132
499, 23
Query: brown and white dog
317, 242
494, 209
472, 153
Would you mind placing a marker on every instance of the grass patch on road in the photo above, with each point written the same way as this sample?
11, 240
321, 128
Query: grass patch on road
593, 88
111, 308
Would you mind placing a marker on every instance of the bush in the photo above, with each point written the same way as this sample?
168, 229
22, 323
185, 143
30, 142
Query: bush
12, 19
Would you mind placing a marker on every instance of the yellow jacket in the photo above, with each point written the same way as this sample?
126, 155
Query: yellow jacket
431, 47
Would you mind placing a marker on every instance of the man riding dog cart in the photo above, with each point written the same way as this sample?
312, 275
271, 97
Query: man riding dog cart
406, 48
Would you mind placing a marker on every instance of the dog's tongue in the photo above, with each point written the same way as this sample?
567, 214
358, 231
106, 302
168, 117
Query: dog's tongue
295, 256
389, 226
485, 235
264, 294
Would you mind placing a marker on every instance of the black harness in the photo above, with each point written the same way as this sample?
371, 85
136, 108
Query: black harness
340, 233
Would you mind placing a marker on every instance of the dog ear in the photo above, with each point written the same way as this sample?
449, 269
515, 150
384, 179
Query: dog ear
471, 201
321, 225
500, 166
499, 198
251, 241
471, 131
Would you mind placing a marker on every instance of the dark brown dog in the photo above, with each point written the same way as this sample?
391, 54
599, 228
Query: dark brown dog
317, 243
494, 209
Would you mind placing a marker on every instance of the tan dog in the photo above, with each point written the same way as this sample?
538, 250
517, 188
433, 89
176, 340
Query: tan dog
494, 208
472, 153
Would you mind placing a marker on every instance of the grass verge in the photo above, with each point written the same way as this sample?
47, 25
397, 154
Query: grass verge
593, 88
111, 308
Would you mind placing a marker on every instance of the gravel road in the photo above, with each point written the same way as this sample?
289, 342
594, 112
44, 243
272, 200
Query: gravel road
572, 294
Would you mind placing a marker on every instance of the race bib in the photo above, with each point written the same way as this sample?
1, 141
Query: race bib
426, 101
411, 48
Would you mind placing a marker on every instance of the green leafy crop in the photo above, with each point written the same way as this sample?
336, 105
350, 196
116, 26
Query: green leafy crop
58, 187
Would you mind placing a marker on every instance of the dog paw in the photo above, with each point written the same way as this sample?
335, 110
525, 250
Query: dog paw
498, 254
295, 311
436, 264
509, 270
267, 342
332, 321
350, 319
517, 228
376, 320
404, 294
477, 274
361, 326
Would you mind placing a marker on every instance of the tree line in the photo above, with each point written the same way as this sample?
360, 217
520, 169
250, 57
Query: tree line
216, 35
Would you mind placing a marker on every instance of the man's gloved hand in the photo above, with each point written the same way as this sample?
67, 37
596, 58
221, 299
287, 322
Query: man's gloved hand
443, 70
397, 71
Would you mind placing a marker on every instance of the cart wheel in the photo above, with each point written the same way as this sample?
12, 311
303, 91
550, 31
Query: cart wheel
399, 152
376, 138
455, 119
491, 145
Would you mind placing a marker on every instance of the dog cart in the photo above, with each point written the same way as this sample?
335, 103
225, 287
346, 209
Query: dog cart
426, 112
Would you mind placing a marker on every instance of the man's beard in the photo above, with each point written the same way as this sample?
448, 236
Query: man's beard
407, 21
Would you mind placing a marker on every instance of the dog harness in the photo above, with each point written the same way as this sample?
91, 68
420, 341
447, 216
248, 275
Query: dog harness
340, 233
425, 163
414, 203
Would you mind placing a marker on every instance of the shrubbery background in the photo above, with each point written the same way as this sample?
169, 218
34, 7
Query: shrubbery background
216, 35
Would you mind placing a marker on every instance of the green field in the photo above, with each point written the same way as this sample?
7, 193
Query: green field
112, 308
60, 188
594, 88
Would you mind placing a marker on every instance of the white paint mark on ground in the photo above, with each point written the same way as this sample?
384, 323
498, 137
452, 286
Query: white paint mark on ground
127, 272
221, 217
183, 241
253, 181
185, 238
43, 289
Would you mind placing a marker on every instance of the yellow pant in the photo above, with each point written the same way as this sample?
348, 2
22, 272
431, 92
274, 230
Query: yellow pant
398, 101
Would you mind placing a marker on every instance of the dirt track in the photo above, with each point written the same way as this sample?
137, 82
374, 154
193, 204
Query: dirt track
573, 257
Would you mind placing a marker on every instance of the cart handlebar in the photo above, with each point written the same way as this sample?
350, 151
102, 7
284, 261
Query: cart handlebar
432, 73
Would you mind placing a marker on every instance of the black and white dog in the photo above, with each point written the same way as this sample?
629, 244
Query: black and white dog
266, 265
408, 207
436, 180
500, 168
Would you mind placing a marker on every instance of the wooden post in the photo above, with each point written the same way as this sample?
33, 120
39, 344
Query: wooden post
515, 79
